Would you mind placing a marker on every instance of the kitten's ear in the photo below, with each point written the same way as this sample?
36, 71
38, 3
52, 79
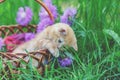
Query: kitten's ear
63, 32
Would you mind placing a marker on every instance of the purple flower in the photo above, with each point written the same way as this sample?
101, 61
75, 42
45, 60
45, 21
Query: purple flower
68, 13
29, 36
43, 13
1, 43
65, 62
19, 37
24, 16
24, 36
44, 16
43, 24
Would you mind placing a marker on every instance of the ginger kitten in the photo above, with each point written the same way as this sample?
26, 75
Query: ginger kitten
34, 45
57, 35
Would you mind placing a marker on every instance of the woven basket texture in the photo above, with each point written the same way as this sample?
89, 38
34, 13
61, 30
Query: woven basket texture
39, 58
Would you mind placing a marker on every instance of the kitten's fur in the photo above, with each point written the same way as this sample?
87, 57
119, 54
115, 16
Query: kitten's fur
58, 34
34, 45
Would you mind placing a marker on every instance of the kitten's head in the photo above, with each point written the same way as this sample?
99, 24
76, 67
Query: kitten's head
63, 34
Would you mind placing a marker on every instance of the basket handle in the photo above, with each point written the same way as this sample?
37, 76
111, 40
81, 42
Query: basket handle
43, 5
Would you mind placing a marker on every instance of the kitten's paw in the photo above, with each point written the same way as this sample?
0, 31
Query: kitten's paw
55, 53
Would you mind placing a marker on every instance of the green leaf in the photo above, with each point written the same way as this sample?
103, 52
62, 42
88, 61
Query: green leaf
113, 34
69, 55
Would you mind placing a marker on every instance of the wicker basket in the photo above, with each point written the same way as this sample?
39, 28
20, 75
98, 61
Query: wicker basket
15, 60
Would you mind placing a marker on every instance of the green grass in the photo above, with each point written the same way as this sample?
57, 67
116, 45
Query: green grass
97, 28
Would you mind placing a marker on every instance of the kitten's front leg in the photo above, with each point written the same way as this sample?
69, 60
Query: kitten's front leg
54, 52
53, 49
50, 46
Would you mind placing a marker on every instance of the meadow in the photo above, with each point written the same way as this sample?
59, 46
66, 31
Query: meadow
97, 28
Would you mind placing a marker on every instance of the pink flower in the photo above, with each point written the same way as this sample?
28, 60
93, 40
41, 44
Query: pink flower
12, 41
24, 16
16, 39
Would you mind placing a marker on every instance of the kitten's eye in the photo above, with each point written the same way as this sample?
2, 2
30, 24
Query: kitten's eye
59, 41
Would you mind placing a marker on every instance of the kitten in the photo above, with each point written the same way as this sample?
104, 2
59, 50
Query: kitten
34, 45
60, 34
